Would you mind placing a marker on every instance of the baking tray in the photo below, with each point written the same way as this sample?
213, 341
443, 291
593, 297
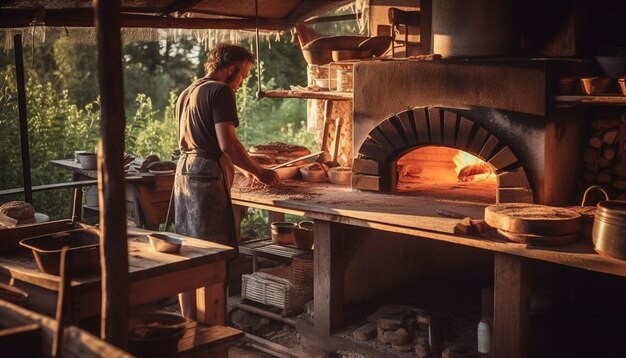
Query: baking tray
83, 248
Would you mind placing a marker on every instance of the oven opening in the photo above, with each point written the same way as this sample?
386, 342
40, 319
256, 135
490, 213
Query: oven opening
445, 172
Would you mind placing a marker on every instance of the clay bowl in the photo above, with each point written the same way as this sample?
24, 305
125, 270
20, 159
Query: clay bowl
595, 85
319, 51
622, 85
377, 44
343, 55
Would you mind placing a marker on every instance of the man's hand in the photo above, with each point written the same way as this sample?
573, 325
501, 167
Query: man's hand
268, 177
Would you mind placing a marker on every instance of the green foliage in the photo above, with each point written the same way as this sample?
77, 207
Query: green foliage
63, 108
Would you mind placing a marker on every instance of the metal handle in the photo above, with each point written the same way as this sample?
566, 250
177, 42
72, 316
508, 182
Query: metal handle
606, 195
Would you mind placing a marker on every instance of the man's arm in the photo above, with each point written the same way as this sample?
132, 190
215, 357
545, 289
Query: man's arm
231, 146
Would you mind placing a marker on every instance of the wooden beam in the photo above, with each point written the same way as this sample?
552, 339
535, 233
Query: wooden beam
180, 6
85, 18
511, 306
111, 187
328, 276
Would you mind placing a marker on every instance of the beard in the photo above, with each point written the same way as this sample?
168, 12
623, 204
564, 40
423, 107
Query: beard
231, 78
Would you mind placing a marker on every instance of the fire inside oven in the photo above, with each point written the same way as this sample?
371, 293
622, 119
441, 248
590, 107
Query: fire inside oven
446, 172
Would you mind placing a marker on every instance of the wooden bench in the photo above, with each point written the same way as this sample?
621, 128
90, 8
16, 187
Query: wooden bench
206, 341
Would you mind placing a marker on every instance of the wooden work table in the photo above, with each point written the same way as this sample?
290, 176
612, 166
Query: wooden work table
147, 195
200, 266
332, 206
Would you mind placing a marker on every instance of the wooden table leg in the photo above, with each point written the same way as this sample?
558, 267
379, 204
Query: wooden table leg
511, 306
328, 285
211, 301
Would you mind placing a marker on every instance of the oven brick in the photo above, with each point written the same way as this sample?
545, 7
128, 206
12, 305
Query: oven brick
478, 141
406, 120
449, 128
488, 148
390, 131
503, 159
434, 119
367, 182
515, 178
465, 129
366, 166
514, 195
372, 150
377, 135
421, 126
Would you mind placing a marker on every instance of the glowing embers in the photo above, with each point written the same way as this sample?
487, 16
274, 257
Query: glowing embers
446, 173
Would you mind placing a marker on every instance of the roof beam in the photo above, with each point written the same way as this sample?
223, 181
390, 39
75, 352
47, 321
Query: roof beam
84, 18
180, 6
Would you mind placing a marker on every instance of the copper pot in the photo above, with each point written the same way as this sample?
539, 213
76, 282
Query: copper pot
609, 228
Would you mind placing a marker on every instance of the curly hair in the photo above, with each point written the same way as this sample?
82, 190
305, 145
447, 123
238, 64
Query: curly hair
224, 55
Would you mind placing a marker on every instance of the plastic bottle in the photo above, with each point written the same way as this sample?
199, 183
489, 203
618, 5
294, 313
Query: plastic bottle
484, 337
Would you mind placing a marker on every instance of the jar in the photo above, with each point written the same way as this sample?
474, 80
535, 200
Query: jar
484, 337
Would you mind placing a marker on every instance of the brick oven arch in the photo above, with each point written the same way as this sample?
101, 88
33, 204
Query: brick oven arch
375, 166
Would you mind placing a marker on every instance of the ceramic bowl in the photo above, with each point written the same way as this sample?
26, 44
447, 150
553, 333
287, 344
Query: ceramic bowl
165, 243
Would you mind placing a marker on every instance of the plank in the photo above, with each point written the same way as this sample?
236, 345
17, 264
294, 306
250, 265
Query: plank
199, 338
414, 216
511, 306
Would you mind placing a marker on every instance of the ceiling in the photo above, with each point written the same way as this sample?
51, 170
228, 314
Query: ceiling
219, 14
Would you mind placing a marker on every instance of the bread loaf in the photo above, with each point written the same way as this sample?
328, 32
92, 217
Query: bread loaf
18, 210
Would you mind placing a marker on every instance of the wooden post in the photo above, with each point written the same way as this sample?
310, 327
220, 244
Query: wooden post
21, 101
511, 306
328, 276
114, 245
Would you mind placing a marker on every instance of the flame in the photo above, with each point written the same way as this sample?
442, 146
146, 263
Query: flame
471, 168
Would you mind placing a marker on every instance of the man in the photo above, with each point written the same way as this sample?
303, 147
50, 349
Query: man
207, 116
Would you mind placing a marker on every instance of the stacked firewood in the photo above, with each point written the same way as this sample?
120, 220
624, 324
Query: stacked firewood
604, 158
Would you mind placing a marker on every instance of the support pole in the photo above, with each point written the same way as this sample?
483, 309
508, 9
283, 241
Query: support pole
23, 117
111, 190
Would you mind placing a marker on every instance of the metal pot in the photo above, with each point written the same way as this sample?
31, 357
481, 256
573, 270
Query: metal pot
609, 228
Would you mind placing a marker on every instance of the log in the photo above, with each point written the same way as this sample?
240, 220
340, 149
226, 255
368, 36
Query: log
602, 163
609, 154
595, 142
609, 137
620, 170
604, 178
590, 156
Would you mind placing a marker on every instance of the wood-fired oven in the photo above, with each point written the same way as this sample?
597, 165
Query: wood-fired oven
496, 111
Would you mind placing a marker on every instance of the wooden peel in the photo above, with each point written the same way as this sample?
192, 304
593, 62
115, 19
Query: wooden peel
333, 161
310, 155
533, 219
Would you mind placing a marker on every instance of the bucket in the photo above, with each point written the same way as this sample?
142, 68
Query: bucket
91, 196
282, 232
489, 31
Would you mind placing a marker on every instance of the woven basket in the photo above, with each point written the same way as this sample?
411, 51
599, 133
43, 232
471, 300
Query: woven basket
302, 269
276, 291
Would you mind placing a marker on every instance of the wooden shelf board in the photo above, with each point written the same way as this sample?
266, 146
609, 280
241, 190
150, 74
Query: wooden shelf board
335, 96
614, 100
413, 216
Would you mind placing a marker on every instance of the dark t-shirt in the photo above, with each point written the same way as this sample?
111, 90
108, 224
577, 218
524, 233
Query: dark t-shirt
198, 109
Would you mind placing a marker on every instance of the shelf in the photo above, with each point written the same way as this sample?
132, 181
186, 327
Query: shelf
335, 96
607, 100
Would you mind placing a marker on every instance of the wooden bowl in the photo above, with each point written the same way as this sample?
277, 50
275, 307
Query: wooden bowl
622, 85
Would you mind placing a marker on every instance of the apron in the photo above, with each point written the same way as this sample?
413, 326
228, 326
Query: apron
202, 204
